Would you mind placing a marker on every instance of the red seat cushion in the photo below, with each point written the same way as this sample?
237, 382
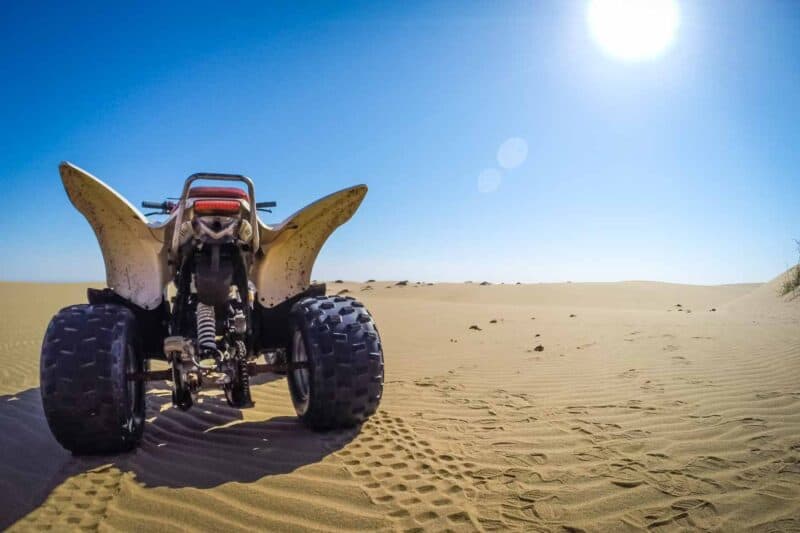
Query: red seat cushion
218, 192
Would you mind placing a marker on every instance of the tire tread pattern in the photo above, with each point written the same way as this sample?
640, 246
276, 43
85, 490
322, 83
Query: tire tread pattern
84, 378
346, 361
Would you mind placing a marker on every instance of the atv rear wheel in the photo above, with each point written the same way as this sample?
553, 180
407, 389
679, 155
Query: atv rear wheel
335, 362
89, 401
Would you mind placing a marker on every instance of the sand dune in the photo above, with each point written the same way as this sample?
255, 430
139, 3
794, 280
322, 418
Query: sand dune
637, 413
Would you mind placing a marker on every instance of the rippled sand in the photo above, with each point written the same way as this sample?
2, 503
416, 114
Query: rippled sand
636, 413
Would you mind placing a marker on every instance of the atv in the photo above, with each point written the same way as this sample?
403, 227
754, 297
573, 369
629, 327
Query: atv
240, 293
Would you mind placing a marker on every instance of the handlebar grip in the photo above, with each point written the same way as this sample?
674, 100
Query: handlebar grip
262, 205
154, 205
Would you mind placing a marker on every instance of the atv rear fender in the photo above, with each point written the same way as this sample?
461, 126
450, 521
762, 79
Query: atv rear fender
135, 252
289, 250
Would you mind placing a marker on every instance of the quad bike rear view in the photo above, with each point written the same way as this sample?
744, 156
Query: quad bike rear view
241, 295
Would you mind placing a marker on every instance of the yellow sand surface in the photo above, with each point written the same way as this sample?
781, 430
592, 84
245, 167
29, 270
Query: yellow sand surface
636, 413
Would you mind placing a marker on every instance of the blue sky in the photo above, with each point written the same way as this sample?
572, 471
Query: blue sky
683, 168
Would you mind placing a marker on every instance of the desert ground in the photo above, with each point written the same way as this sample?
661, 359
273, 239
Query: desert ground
572, 406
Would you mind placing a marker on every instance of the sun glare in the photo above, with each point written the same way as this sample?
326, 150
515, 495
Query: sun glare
633, 30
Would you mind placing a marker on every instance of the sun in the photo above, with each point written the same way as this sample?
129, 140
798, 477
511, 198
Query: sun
633, 30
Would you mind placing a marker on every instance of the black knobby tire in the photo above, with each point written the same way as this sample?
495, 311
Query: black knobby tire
343, 380
90, 404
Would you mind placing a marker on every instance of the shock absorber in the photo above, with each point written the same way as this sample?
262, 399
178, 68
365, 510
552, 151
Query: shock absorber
206, 327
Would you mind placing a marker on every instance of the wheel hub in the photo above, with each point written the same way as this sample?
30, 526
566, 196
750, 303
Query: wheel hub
300, 373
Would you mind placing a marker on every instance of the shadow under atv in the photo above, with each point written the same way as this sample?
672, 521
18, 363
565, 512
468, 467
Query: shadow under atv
202, 448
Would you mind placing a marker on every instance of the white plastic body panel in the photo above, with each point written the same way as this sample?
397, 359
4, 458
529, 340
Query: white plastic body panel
135, 252
291, 248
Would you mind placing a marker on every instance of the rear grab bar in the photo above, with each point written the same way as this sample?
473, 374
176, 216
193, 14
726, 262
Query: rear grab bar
214, 177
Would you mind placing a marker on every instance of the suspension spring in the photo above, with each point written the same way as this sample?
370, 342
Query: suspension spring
206, 327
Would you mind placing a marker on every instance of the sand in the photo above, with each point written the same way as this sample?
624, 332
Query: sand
636, 413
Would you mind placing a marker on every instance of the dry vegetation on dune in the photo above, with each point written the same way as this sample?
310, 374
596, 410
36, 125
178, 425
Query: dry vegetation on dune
594, 406
792, 282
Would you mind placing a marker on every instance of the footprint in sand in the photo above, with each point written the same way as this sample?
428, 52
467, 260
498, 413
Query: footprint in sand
79, 503
689, 514
769, 395
652, 386
417, 485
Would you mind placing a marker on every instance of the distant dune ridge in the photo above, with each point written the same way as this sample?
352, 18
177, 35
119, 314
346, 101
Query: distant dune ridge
649, 406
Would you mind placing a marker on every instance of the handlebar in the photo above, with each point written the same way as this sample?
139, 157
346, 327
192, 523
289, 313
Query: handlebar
165, 206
